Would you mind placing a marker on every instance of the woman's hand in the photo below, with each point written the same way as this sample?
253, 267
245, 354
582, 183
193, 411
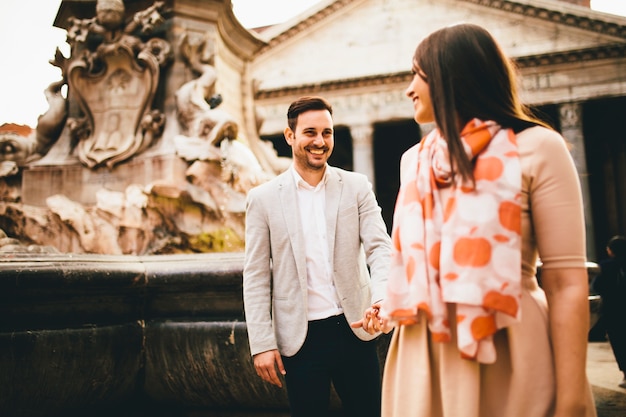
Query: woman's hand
371, 322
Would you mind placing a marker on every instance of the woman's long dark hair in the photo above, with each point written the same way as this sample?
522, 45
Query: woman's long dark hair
469, 77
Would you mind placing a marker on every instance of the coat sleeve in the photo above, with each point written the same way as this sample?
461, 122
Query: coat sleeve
375, 239
257, 276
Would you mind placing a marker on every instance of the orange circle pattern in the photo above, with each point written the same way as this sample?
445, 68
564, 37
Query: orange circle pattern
446, 235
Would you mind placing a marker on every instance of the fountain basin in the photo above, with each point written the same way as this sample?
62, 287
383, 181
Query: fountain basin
102, 334
160, 335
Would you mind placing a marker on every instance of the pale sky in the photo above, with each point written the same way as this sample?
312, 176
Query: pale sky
26, 73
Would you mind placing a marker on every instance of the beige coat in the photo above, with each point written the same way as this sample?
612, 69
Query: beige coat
274, 276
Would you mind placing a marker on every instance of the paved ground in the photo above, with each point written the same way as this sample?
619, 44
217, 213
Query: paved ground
604, 375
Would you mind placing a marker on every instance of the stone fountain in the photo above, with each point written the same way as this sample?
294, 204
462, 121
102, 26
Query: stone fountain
146, 148
122, 217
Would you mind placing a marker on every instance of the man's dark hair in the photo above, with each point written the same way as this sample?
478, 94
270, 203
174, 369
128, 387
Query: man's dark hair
304, 104
617, 244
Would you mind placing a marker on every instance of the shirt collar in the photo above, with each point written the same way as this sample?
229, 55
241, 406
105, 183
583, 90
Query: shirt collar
301, 183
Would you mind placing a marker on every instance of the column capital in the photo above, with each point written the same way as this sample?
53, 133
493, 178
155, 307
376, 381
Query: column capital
570, 115
362, 134
362, 152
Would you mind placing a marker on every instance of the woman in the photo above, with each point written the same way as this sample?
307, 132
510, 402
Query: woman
489, 189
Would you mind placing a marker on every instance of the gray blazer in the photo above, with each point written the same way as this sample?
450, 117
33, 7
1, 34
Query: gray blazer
274, 275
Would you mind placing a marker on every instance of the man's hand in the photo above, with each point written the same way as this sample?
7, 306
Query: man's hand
265, 364
372, 322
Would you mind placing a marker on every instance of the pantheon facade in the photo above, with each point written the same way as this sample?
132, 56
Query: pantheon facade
357, 53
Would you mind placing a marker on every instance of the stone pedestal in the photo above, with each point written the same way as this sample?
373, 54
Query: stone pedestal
80, 184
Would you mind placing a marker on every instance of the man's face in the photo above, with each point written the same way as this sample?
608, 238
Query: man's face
313, 141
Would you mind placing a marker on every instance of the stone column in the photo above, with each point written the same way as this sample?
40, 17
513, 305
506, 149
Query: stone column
570, 115
362, 150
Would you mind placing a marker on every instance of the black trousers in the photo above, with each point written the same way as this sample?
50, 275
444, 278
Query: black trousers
333, 354
616, 330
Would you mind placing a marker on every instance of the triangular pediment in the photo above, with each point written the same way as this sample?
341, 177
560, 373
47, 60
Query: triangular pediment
350, 39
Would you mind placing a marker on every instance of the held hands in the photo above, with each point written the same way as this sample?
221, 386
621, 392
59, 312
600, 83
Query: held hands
372, 322
266, 363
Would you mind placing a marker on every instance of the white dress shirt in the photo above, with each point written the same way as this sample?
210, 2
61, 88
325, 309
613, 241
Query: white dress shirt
323, 301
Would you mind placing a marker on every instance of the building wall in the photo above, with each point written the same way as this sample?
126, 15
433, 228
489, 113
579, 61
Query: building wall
358, 54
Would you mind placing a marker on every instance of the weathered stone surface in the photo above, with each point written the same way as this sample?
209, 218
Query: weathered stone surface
49, 372
160, 217
111, 335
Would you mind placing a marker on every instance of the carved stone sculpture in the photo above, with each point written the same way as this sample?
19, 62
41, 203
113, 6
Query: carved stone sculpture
197, 100
15, 149
85, 188
51, 123
114, 83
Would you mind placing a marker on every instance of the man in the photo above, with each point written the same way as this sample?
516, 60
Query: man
311, 233
611, 285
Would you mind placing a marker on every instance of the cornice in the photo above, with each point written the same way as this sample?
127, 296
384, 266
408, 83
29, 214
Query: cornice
611, 51
243, 42
334, 85
305, 23
561, 16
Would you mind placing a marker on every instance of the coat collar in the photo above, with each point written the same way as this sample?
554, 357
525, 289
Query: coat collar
288, 196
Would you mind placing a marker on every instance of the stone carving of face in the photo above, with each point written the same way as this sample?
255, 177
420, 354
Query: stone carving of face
14, 147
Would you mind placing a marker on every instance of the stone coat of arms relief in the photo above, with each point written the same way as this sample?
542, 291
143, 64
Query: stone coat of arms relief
114, 83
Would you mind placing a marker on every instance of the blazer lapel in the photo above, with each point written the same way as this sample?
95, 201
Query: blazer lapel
288, 195
333, 196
